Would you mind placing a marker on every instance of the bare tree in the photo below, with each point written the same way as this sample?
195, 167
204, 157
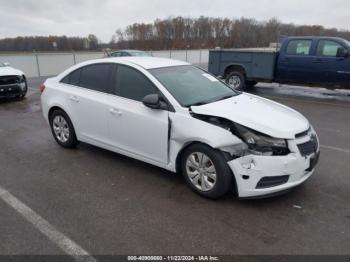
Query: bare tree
206, 32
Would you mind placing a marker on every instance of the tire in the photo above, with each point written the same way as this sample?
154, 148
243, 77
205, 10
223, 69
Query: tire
23, 94
251, 84
213, 188
236, 80
65, 134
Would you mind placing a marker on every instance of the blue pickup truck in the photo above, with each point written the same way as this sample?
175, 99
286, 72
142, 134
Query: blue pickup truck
319, 61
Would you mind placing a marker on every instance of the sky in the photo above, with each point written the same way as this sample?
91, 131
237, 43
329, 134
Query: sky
104, 17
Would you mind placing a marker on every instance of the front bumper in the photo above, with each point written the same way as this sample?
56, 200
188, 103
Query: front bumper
12, 90
258, 176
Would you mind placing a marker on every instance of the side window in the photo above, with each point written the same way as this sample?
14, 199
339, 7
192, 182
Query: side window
132, 84
328, 48
96, 77
299, 47
73, 78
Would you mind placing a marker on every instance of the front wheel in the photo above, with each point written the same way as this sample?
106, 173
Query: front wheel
22, 96
23, 92
206, 171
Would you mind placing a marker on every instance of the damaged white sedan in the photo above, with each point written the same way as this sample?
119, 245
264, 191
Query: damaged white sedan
173, 115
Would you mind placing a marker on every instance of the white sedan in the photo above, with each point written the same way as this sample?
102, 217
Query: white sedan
176, 116
13, 82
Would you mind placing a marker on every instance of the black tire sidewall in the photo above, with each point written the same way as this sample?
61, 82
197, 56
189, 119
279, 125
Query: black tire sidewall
22, 94
251, 83
224, 180
242, 86
72, 140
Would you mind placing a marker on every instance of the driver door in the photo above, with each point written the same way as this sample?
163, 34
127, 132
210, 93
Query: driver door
133, 127
331, 68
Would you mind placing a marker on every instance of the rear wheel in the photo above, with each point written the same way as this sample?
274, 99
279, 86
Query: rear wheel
206, 171
62, 129
236, 80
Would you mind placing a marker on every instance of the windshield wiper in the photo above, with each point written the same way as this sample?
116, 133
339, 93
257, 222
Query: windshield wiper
211, 100
198, 104
216, 99
225, 97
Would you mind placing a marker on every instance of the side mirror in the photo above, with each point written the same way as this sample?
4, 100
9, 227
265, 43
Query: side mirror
342, 52
154, 101
7, 64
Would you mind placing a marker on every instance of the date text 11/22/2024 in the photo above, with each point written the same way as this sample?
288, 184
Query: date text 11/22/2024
173, 258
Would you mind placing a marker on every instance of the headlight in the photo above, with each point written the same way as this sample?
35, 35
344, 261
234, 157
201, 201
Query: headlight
262, 143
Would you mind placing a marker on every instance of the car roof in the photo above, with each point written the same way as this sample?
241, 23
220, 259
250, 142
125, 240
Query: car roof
142, 61
146, 62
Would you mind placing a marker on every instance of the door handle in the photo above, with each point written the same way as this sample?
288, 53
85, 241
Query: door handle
317, 61
74, 99
115, 111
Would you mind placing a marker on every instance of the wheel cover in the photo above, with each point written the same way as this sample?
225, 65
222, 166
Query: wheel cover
201, 171
234, 81
61, 128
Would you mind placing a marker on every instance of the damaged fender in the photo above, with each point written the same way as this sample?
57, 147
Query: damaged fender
186, 130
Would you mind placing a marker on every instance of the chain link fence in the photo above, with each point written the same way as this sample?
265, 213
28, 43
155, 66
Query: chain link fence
48, 64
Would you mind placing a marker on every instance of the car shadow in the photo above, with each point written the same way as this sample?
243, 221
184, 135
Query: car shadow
178, 184
9, 100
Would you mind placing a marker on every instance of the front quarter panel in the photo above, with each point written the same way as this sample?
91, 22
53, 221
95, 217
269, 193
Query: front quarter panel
186, 130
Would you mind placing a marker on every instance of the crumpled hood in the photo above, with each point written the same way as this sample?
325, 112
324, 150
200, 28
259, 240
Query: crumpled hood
9, 71
259, 114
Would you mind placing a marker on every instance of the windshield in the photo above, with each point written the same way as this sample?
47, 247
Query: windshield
192, 86
139, 54
2, 64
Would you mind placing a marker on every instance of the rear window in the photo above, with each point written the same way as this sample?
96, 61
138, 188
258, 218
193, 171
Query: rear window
73, 78
299, 47
95, 77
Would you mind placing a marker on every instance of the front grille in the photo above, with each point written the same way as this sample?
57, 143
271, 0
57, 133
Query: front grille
9, 80
8, 91
309, 147
267, 182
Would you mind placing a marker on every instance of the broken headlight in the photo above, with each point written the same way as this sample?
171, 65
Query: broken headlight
262, 144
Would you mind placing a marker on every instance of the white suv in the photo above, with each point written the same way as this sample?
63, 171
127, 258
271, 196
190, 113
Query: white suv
176, 116
13, 82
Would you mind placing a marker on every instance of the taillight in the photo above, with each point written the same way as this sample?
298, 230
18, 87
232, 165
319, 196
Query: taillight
42, 88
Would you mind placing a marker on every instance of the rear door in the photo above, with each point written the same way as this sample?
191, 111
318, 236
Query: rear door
90, 87
133, 127
295, 62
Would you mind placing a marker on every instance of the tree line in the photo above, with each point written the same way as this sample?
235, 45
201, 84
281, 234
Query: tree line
50, 43
178, 33
207, 32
